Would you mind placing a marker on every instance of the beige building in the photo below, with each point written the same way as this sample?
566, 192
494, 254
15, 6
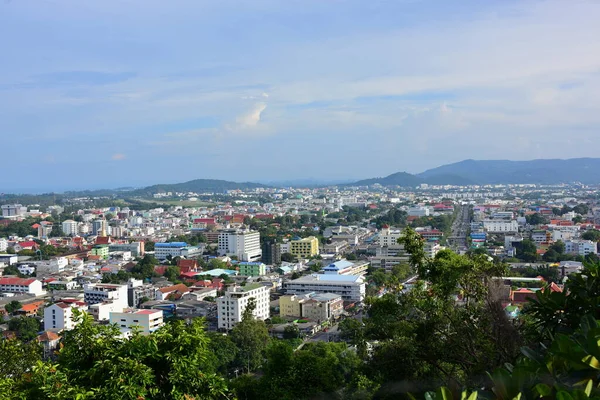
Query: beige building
305, 248
313, 306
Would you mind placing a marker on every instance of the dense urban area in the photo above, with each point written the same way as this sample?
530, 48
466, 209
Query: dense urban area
349, 292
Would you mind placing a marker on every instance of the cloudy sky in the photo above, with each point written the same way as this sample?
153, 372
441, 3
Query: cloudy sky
133, 92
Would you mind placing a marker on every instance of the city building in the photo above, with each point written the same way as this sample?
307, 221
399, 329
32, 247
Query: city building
9, 259
147, 321
271, 253
13, 210
136, 248
101, 311
162, 251
581, 247
59, 316
103, 292
501, 226
137, 291
99, 227
21, 286
44, 229
231, 306
345, 267
70, 227
245, 245
313, 306
100, 251
252, 268
305, 248
350, 287
3, 245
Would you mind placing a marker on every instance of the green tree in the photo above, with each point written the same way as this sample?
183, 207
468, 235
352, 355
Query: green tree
172, 273
527, 251
251, 338
592, 234
17, 357
291, 332
288, 257
27, 328
535, 219
13, 306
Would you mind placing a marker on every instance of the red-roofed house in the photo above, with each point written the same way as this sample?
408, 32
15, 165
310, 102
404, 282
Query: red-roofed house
172, 292
103, 240
187, 265
30, 309
521, 295
49, 341
161, 269
29, 245
21, 285
216, 283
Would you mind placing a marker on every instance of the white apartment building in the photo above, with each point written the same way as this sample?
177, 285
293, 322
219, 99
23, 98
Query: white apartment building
103, 292
245, 245
13, 210
501, 226
581, 247
174, 249
345, 267
147, 321
60, 315
3, 245
21, 286
101, 311
388, 237
231, 306
350, 287
70, 227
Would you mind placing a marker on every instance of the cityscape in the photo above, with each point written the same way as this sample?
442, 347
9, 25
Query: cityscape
300, 200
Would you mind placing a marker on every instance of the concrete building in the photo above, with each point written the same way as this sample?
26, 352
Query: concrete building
271, 253
147, 321
59, 316
99, 227
350, 287
44, 229
501, 226
9, 259
345, 267
389, 237
305, 248
175, 249
136, 248
316, 307
103, 292
100, 251
70, 227
581, 247
4, 245
252, 268
245, 245
231, 306
13, 210
21, 286
137, 291
101, 311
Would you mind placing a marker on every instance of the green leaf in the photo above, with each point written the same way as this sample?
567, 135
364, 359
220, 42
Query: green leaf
444, 393
562, 395
542, 390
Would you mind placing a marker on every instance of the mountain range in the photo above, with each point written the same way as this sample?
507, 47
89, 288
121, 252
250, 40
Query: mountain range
467, 172
484, 172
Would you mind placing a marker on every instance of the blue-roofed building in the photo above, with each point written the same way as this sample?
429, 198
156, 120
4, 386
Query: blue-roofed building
218, 272
345, 267
176, 249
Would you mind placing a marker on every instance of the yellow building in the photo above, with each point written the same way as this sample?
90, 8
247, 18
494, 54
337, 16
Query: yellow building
305, 248
289, 306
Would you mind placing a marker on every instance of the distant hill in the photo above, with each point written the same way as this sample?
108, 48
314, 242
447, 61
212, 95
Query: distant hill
550, 171
474, 172
198, 186
398, 179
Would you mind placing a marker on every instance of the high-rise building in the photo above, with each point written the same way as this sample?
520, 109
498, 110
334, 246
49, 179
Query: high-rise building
99, 227
245, 245
231, 306
305, 248
70, 227
271, 253
99, 292
13, 210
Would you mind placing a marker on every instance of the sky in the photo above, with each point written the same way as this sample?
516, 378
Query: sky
106, 94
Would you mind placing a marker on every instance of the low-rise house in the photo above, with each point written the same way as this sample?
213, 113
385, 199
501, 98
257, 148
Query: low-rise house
147, 321
59, 316
171, 292
49, 341
21, 286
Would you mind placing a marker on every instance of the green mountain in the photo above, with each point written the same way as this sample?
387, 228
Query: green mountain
398, 179
550, 171
198, 186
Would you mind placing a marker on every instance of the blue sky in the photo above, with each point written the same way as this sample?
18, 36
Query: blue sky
109, 94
